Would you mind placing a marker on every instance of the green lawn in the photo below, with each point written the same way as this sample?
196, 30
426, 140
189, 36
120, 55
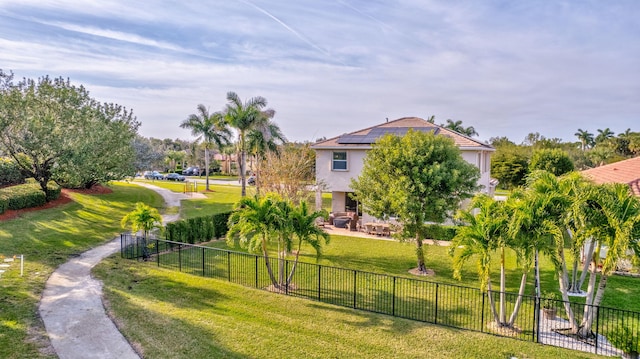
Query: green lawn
174, 315
47, 239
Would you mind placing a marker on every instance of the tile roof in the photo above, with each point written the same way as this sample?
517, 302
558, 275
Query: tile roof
364, 138
627, 171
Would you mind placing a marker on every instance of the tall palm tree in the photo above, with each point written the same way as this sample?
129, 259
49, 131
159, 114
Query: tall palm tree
585, 137
604, 135
212, 128
244, 117
457, 126
264, 138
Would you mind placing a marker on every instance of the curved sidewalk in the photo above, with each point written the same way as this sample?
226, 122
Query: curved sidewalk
71, 304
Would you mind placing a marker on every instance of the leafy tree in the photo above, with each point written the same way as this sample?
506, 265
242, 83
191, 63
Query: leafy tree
212, 128
175, 157
501, 142
245, 117
289, 172
586, 138
146, 155
510, 166
555, 161
420, 177
48, 126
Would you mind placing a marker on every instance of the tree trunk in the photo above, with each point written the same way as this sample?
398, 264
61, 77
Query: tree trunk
268, 264
492, 303
503, 301
422, 268
587, 261
516, 308
587, 319
206, 167
242, 173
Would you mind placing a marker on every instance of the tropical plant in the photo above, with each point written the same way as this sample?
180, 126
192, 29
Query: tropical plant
482, 233
457, 126
262, 139
245, 117
555, 161
604, 135
144, 218
420, 177
212, 128
586, 138
256, 222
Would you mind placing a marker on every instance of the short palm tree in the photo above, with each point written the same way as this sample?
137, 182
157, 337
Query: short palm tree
244, 117
303, 225
212, 128
143, 218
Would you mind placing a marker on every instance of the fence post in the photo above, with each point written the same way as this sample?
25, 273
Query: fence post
355, 289
180, 257
203, 256
597, 309
229, 266
435, 318
286, 275
536, 320
256, 271
319, 281
157, 252
393, 298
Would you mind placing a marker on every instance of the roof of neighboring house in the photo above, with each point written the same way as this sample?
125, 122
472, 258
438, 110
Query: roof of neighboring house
364, 138
627, 171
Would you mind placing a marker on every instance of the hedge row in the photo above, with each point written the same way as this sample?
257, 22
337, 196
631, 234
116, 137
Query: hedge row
199, 229
26, 196
440, 232
10, 173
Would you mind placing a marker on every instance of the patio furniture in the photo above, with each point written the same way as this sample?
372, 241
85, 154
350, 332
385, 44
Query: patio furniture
341, 222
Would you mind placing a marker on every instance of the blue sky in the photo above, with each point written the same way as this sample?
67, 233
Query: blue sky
329, 67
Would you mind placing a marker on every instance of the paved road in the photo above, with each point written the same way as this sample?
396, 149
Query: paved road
71, 305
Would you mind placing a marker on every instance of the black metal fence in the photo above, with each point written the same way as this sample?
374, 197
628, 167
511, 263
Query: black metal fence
443, 304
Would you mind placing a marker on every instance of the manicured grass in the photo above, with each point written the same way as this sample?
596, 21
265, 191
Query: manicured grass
47, 238
174, 315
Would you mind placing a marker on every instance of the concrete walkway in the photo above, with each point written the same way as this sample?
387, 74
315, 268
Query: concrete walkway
71, 304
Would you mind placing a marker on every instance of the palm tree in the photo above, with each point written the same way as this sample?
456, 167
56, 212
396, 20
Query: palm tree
212, 128
615, 222
585, 137
457, 126
262, 139
143, 218
252, 225
303, 225
482, 235
244, 117
604, 135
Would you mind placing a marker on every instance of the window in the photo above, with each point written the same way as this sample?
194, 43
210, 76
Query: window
351, 205
339, 161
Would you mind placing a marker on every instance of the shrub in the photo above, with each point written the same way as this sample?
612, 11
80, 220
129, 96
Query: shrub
10, 173
23, 196
440, 232
198, 229
625, 339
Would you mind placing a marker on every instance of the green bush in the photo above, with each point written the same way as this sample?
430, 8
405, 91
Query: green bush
27, 196
198, 229
10, 173
440, 232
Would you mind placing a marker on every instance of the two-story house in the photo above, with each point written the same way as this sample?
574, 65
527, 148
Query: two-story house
341, 158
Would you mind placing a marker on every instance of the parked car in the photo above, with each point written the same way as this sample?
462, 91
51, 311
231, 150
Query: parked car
191, 171
174, 177
153, 175
251, 180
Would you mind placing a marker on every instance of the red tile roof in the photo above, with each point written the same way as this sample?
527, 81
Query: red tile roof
401, 123
627, 171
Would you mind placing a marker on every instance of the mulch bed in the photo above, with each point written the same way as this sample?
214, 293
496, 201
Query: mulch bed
63, 199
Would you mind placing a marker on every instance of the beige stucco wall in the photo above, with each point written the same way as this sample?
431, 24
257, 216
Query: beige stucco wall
339, 181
